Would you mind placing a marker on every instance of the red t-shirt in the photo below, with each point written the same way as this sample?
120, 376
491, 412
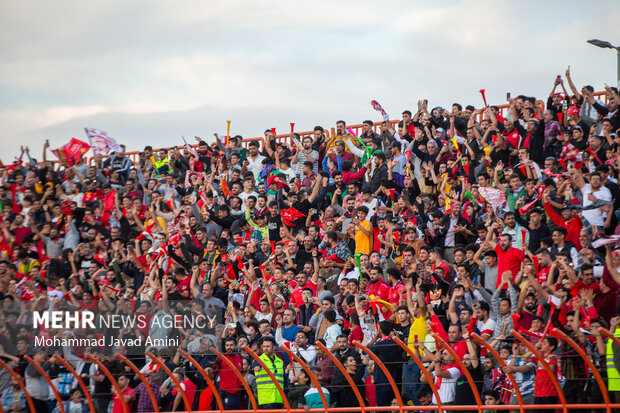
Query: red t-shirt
296, 295
508, 261
376, 244
356, 334
379, 289
513, 138
544, 386
118, 406
543, 272
396, 292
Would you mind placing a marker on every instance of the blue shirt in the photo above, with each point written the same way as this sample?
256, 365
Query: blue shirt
289, 333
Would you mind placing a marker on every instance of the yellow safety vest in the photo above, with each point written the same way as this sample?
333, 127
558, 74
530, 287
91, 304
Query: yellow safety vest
266, 388
613, 376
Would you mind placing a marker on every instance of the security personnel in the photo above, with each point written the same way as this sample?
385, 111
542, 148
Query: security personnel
613, 376
268, 395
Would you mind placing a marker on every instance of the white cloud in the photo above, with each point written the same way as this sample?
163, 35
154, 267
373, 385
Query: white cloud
146, 71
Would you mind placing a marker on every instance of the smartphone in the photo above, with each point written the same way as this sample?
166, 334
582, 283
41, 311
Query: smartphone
507, 95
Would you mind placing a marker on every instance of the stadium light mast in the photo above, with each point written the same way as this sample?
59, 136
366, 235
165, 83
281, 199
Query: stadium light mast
606, 45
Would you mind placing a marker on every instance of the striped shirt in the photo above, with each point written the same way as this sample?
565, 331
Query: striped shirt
525, 381
313, 398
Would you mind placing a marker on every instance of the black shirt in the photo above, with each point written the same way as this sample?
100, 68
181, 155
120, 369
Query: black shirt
274, 224
464, 394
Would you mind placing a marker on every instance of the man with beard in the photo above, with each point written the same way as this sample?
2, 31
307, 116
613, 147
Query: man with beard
508, 257
537, 228
527, 304
380, 174
377, 287
337, 252
253, 161
520, 236
560, 245
229, 385
568, 220
305, 153
597, 202
445, 371
343, 351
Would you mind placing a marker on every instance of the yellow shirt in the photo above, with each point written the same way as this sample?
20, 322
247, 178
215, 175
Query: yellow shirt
363, 242
418, 328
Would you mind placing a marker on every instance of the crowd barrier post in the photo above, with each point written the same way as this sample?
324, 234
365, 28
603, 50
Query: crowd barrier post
416, 359
307, 370
43, 374
239, 376
379, 364
346, 375
462, 367
20, 383
110, 377
80, 382
143, 379
541, 359
502, 364
287, 405
173, 378
584, 356
210, 383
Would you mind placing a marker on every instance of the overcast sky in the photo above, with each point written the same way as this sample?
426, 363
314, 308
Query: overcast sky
148, 72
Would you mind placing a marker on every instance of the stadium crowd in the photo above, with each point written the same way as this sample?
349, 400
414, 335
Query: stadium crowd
452, 222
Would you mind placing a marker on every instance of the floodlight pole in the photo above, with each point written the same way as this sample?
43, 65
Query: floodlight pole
606, 45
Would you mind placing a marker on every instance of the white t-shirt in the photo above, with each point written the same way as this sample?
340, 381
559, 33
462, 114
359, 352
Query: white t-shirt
447, 389
244, 196
595, 216
331, 334
255, 165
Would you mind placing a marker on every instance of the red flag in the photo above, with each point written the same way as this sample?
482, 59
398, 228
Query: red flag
71, 153
290, 215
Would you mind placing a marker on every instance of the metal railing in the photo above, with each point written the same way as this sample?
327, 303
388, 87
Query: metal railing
401, 406
329, 131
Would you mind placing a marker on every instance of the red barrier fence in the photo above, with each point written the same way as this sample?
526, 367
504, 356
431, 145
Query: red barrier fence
400, 406
134, 155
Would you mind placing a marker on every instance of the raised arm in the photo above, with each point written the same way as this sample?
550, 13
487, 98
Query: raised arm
571, 84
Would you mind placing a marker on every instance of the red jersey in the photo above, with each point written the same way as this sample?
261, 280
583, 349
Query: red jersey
543, 385
296, 295
118, 406
228, 380
356, 334
396, 292
508, 261
379, 289
513, 138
